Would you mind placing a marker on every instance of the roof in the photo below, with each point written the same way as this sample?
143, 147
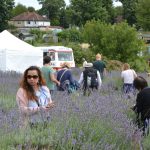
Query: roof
55, 48
29, 16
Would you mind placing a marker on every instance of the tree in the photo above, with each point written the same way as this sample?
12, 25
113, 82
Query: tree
31, 9
66, 17
72, 35
19, 9
52, 8
84, 10
117, 41
108, 5
118, 14
129, 7
143, 14
6, 7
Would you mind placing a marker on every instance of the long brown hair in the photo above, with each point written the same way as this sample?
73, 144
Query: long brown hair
27, 87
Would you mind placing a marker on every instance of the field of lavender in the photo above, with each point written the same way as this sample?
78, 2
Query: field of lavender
101, 121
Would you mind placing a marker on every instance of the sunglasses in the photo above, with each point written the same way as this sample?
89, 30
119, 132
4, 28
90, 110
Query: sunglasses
34, 76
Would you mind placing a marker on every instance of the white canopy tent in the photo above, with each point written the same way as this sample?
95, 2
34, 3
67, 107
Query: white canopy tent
17, 55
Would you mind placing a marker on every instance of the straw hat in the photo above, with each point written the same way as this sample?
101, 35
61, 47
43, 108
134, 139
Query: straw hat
88, 65
66, 64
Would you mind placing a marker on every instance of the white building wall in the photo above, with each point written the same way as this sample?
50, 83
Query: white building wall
43, 23
36, 23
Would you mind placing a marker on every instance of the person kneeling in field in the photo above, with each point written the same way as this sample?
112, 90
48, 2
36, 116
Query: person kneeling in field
142, 107
33, 97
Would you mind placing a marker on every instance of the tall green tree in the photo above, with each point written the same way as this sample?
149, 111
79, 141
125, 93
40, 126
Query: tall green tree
117, 41
143, 14
19, 9
129, 7
52, 8
6, 7
108, 5
31, 9
118, 14
84, 10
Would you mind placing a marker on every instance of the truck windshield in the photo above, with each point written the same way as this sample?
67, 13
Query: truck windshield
51, 55
65, 56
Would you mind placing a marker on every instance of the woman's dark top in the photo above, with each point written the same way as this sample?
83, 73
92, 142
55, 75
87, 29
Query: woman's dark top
143, 103
66, 76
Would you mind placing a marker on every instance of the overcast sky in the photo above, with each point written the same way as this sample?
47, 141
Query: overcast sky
35, 4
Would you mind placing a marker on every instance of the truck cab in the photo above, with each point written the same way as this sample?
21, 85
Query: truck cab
59, 55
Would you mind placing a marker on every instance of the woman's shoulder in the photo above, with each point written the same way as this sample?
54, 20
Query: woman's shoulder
44, 87
21, 90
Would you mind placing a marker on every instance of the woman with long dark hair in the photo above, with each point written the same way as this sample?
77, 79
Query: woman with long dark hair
33, 96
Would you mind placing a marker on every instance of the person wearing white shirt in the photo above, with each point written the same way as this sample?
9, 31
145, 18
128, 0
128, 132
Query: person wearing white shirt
84, 62
128, 76
85, 80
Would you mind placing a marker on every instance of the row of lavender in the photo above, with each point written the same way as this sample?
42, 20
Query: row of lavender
102, 120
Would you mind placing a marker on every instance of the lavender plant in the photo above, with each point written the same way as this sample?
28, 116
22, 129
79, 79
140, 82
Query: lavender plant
102, 120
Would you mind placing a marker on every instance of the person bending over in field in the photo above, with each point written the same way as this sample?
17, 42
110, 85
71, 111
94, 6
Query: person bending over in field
142, 107
33, 97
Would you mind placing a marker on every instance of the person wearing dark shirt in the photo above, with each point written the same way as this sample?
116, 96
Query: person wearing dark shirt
142, 107
99, 65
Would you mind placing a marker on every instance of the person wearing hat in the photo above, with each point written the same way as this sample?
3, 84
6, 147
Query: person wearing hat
65, 76
100, 65
84, 61
90, 78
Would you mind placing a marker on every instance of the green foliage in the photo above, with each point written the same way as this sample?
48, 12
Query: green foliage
116, 42
142, 14
5, 13
118, 11
65, 17
139, 64
37, 33
70, 35
146, 142
19, 9
78, 53
55, 22
129, 7
52, 8
84, 10
38, 37
31, 9
114, 65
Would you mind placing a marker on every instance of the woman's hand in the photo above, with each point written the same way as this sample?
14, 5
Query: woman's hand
50, 105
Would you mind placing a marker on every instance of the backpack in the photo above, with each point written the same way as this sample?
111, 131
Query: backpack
66, 86
90, 78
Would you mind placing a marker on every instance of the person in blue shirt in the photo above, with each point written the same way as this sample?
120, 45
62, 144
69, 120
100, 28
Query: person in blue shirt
65, 77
